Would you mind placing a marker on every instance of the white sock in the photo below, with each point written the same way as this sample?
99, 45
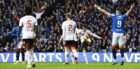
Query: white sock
28, 57
85, 56
122, 59
72, 57
32, 57
114, 60
66, 56
75, 53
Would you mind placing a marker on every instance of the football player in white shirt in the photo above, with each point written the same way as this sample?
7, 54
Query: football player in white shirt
69, 38
84, 35
28, 27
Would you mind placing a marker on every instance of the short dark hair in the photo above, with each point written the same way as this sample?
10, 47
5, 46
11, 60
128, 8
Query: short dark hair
84, 25
28, 10
119, 9
68, 15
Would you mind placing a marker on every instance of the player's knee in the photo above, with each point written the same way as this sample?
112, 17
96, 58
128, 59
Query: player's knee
121, 47
66, 48
18, 50
113, 47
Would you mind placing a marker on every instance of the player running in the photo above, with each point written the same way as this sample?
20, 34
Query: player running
19, 47
85, 35
69, 38
28, 26
118, 30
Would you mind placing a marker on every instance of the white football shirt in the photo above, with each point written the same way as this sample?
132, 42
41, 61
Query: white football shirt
69, 30
28, 22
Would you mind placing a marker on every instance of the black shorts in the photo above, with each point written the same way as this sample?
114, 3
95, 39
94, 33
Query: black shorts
70, 44
28, 43
84, 45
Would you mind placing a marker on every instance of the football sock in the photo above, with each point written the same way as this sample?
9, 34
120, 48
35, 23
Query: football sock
23, 56
28, 57
114, 54
122, 54
85, 56
32, 56
17, 56
75, 53
66, 56
72, 57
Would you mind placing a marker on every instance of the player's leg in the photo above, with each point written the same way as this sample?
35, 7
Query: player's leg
27, 53
121, 47
66, 47
17, 56
84, 51
114, 50
31, 47
22, 51
23, 54
18, 52
72, 57
66, 55
32, 58
75, 51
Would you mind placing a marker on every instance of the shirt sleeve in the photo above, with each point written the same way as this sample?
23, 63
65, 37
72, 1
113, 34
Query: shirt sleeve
90, 33
36, 23
20, 22
125, 16
76, 28
111, 15
63, 25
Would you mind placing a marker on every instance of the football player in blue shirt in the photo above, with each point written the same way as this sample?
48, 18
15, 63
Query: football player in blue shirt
19, 48
118, 30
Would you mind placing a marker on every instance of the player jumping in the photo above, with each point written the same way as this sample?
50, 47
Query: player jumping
28, 26
84, 35
69, 38
118, 30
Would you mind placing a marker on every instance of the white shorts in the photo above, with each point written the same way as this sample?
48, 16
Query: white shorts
118, 38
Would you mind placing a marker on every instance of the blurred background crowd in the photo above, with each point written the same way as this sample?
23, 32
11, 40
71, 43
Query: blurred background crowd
82, 12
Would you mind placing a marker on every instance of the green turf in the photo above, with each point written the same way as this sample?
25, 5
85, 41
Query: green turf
72, 66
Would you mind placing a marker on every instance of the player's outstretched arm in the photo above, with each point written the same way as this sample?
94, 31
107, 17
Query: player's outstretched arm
101, 10
10, 33
60, 40
94, 35
128, 12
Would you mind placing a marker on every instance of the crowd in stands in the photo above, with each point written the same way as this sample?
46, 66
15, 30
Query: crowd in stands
82, 11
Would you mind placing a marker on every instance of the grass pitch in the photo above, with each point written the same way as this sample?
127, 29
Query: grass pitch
72, 66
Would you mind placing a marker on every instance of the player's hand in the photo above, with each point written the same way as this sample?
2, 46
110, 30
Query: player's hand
132, 6
44, 6
96, 6
100, 38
